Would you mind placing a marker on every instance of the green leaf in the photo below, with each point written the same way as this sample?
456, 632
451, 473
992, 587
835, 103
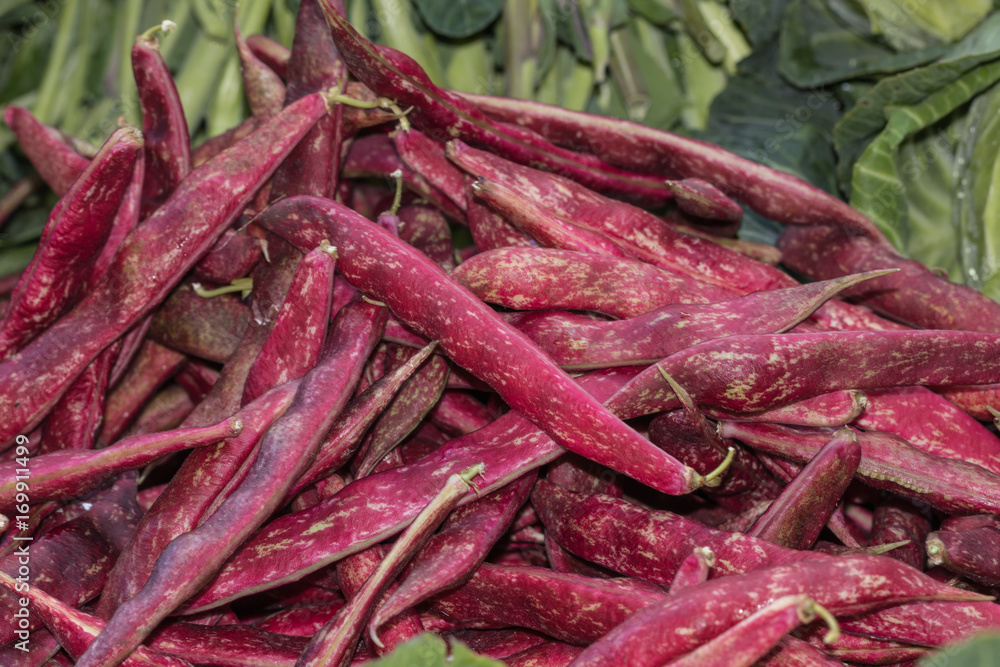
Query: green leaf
877, 189
571, 29
666, 98
430, 650
978, 652
866, 119
976, 212
425, 649
914, 25
929, 177
24, 226
655, 11
760, 19
458, 18
16, 259
761, 117
817, 48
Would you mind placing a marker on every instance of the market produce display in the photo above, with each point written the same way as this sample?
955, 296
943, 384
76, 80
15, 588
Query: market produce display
393, 373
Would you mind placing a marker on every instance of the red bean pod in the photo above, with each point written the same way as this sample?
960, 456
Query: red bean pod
164, 127
49, 150
914, 294
313, 66
68, 473
451, 556
752, 638
887, 462
845, 585
510, 446
188, 562
522, 596
752, 373
437, 112
71, 243
773, 194
296, 338
797, 516
972, 553
477, 339
547, 278
178, 233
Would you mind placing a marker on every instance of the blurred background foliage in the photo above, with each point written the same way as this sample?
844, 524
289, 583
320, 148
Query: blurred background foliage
890, 104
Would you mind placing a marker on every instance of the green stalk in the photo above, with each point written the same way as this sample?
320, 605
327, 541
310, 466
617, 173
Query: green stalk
357, 14
578, 85
522, 26
180, 13
226, 109
196, 81
467, 66
77, 90
625, 73
129, 29
729, 36
396, 20
284, 22
697, 27
212, 22
52, 80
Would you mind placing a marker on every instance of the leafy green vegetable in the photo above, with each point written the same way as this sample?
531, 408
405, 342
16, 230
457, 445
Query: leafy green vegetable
866, 119
761, 117
817, 48
16, 259
760, 20
978, 652
927, 176
976, 210
430, 650
914, 25
458, 19
876, 185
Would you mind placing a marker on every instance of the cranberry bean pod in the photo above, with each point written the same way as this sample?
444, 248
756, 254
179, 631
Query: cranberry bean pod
524, 596
71, 243
693, 570
180, 231
295, 341
450, 557
314, 65
929, 422
547, 278
69, 473
188, 562
49, 151
753, 373
797, 516
972, 553
773, 194
477, 339
347, 431
181, 505
887, 462
752, 638
651, 545
439, 112
576, 342
845, 585
164, 127
510, 447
